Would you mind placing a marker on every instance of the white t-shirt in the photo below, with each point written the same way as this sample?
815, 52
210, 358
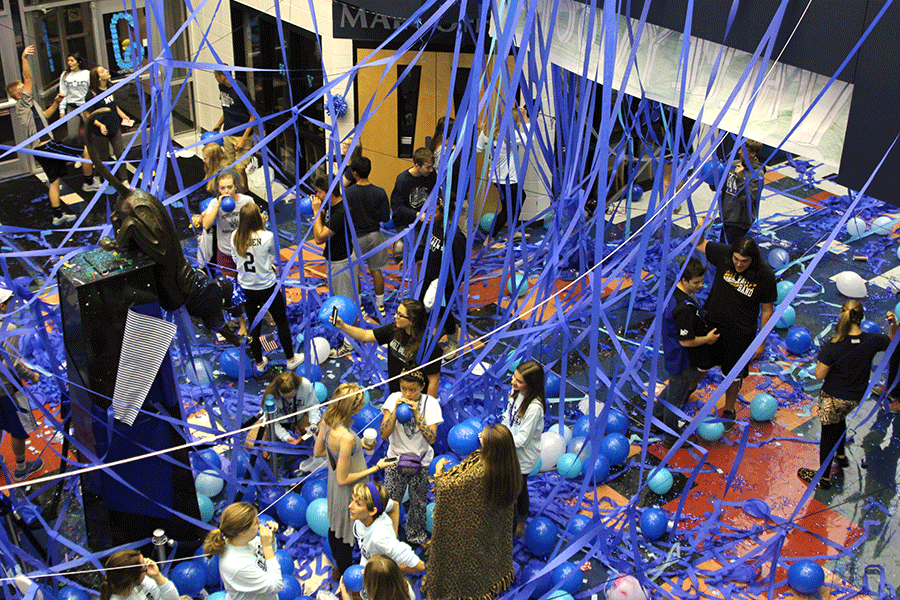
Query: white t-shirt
504, 167
526, 431
227, 222
304, 399
379, 538
74, 85
255, 271
148, 590
407, 438
247, 575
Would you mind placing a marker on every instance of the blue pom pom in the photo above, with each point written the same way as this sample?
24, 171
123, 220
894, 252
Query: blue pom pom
338, 106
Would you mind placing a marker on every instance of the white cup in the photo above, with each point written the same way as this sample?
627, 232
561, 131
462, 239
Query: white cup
369, 437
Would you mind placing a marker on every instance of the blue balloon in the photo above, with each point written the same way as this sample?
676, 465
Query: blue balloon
798, 341
313, 489
429, 517
353, 578
227, 204
661, 481
787, 318
291, 588
710, 430
198, 371
207, 508
312, 372
577, 524
784, 288
617, 422
475, 423
404, 413
243, 463
317, 516
220, 595
230, 363
211, 564
537, 467
453, 461
580, 447
806, 576
206, 138
569, 466
321, 390
582, 427
306, 206
292, 510
346, 309
264, 518
568, 577
779, 258
517, 285
72, 593
285, 561
601, 468
544, 583
209, 459
560, 595
540, 536
208, 483
204, 204
369, 416
763, 407
267, 497
486, 222
189, 577
616, 448
553, 384
654, 523
463, 439
869, 326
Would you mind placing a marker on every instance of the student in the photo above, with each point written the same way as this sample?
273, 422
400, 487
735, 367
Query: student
525, 418
411, 443
214, 162
369, 207
685, 346
246, 551
34, 119
470, 555
742, 192
404, 337
375, 516
292, 394
844, 364
235, 113
226, 222
16, 417
130, 576
346, 466
382, 580
73, 87
411, 189
252, 250
109, 125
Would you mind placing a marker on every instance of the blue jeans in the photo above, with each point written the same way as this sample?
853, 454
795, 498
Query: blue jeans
675, 395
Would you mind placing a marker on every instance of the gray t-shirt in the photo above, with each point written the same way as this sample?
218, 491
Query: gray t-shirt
27, 111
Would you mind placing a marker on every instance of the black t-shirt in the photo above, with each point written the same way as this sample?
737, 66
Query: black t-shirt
849, 363
111, 120
336, 221
437, 245
690, 324
398, 359
235, 111
735, 298
410, 193
369, 206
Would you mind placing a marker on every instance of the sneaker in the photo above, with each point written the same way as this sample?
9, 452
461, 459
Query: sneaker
343, 350
895, 406
262, 366
65, 218
93, 186
295, 362
31, 467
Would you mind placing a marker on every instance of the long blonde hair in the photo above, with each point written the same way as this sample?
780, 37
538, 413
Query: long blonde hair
249, 223
236, 518
852, 313
214, 158
346, 401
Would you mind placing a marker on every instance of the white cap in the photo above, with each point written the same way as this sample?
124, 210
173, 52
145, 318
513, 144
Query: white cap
5, 295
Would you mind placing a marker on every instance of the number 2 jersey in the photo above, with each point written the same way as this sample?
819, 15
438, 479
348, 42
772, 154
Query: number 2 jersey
256, 271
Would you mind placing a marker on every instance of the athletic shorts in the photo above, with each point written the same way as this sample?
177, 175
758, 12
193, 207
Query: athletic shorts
729, 348
55, 168
367, 244
16, 417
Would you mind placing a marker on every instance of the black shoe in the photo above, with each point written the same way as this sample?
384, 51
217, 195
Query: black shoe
807, 475
842, 461
729, 416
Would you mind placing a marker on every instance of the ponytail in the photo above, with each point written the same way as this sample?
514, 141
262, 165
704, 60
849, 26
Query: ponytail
213, 545
105, 590
852, 313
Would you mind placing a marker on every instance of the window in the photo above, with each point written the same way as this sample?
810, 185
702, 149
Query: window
407, 109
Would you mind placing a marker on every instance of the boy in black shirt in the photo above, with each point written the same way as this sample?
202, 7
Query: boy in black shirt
369, 207
412, 187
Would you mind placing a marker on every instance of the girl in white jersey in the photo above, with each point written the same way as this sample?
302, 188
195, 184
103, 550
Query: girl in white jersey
253, 250
525, 418
130, 576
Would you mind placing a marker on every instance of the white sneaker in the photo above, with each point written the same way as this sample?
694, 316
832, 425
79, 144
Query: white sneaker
65, 218
295, 362
93, 186
261, 366
78, 165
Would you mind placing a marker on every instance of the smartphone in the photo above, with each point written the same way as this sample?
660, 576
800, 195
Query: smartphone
334, 315
392, 459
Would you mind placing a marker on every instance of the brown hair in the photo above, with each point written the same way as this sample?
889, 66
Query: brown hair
236, 518
361, 491
284, 383
422, 156
383, 579
95, 79
533, 373
346, 401
229, 174
11, 87
414, 376
437, 139
418, 316
250, 222
124, 569
852, 313
753, 147
502, 476
215, 158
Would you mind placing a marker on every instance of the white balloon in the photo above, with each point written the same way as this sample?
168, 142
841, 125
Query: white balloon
553, 445
850, 284
580, 447
566, 433
320, 350
883, 225
625, 587
480, 369
856, 226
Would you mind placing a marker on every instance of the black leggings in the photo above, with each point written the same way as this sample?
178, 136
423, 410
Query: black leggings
830, 436
342, 553
255, 301
523, 503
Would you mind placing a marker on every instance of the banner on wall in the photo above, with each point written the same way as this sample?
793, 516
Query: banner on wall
375, 20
